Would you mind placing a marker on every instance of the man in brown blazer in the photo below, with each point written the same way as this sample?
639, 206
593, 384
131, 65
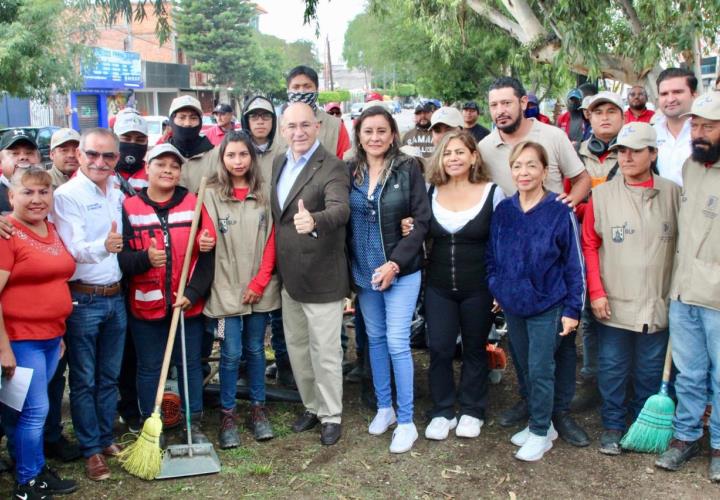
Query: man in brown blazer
310, 206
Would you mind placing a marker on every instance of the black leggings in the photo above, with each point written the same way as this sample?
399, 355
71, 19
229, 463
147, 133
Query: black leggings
446, 314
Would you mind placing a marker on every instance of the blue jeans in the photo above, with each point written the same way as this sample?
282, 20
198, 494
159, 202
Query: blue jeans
625, 355
387, 318
694, 333
244, 337
95, 338
150, 338
277, 338
589, 327
565, 360
25, 429
535, 341
360, 330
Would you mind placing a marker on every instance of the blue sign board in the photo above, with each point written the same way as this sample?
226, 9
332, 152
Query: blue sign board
113, 69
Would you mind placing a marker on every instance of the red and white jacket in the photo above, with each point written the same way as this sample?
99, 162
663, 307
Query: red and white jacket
151, 290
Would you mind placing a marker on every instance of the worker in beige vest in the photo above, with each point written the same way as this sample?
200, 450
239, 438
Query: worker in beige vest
695, 292
302, 86
629, 238
63, 153
199, 153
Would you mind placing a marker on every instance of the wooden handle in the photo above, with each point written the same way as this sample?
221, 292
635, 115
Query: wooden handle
668, 363
180, 292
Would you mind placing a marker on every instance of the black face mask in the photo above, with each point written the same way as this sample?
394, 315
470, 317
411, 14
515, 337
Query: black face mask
185, 136
131, 156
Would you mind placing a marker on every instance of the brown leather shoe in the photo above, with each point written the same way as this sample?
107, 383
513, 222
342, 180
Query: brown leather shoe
113, 450
96, 468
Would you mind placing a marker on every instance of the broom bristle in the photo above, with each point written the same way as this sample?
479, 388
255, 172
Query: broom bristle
143, 458
653, 429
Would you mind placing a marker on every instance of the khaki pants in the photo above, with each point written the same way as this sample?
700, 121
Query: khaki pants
312, 334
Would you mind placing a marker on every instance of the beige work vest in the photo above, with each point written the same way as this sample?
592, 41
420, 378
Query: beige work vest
696, 277
202, 164
598, 171
638, 227
243, 229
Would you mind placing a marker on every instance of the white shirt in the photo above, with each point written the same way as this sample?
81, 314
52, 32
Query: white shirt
291, 171
672, 151
83, 214
453, 221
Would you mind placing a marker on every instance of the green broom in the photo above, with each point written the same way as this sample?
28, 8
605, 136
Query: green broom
653, 428
143, 458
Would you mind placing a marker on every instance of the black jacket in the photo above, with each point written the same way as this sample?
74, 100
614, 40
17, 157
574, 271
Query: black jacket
402, 195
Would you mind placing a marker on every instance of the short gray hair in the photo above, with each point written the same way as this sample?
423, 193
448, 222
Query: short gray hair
102, 132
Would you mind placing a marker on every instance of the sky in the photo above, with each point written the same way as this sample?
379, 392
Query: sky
285, 20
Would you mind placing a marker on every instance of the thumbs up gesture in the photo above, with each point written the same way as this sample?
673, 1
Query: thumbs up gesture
158, 258
114, 240
206, 242
304, 222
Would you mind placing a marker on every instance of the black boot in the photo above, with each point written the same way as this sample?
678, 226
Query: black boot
570, 431
587, 395
196, 433
259, 423
284, 372
229, 436
516, 414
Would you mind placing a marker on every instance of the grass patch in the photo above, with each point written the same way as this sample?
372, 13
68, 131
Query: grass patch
241, 453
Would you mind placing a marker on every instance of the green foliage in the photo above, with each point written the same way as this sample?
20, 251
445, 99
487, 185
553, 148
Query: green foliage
32, 61
340, 95
404, 90
113, 10
281, 57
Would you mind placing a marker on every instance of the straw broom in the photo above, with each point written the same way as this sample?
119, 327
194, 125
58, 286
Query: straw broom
143, 458
653, 428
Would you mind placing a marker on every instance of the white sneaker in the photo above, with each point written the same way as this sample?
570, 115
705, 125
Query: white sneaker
534, 448
403, 438
468, 427
519, 438
439, 428
384, 418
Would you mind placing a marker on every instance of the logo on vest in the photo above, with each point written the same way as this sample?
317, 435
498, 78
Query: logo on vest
711, 207
224, 224
619, 232
667, 232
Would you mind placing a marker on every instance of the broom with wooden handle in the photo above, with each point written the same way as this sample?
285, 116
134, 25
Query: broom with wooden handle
653, 428
143, 458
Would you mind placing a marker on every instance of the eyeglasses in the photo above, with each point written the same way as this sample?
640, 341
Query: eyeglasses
94, 155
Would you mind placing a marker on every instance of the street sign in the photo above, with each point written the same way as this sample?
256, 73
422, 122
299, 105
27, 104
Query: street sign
113, 69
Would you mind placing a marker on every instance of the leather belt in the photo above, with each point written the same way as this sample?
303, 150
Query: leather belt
101, 290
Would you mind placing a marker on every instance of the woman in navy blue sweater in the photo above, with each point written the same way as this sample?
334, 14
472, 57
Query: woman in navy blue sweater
535, 272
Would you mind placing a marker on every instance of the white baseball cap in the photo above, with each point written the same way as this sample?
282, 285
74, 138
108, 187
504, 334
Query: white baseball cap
706, 106
163, 149
448, 115
129, 120
185, 101
62, 136
603, 97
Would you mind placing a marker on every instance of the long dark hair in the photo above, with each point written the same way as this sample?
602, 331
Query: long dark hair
222, 179
361, 166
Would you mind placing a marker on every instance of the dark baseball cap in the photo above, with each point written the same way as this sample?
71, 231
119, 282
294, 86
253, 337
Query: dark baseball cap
223, 108
471, 105
12, 137
421, 108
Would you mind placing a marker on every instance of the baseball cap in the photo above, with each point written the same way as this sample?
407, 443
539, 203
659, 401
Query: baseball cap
448, 115
532, 98
223, 108
129, 121
164, 149
706, 106
586, 101
62, 136
332, 105
603, 97
259, 103
471, 105
636, 135
12, 137
575, 94
421, 108
185, 101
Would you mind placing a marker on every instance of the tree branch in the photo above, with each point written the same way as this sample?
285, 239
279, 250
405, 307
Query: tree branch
500, 20
632, 14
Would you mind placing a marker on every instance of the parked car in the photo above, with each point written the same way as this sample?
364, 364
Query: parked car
155, 128
41, 135
356, 109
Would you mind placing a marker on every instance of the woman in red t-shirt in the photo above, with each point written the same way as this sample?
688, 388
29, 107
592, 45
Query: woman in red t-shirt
35, 298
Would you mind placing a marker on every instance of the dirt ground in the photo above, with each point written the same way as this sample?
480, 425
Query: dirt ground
360, 465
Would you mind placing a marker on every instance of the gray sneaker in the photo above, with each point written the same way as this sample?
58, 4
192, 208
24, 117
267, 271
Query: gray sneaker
677, 454
715, 465
610, 442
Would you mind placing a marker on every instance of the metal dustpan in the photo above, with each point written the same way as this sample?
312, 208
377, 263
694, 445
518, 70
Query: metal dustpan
182, 460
